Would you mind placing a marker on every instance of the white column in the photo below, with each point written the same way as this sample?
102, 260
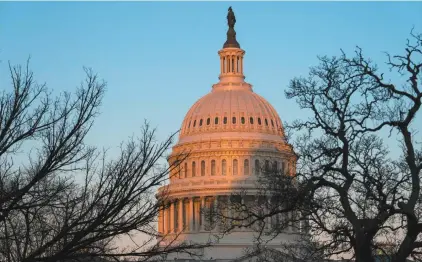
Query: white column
242, 201
180, 214
198, 215
228, 64
171, 226
268, 219
165, 220
241, 65
202, 214
233, 64
229, 211
191, 214
215, 211
221, 65
291, 221
160, 221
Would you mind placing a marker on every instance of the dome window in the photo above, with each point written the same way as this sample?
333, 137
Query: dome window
194, 123
272, 123
267, 166
251, 120
216, 121
257, 167
235, 167
275, 166
259, 121
242, 120
223, 167
213, 167
193, 169
234, 120
189, 124
266, 122
186, 170
200, 122
225, 120
208, 121
202, 168
246, 167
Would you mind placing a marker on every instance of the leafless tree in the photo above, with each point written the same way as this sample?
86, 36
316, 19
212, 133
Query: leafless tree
359, 196
63, 200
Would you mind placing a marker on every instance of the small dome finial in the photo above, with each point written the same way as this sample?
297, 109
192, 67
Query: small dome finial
231, 34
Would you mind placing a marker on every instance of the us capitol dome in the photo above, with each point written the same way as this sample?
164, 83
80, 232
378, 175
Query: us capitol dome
230, 134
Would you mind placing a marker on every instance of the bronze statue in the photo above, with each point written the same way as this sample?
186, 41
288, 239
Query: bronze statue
231, 33
231, 18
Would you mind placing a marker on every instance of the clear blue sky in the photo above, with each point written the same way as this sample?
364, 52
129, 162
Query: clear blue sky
159, 58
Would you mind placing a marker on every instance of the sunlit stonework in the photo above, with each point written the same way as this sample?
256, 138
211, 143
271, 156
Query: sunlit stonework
229, 133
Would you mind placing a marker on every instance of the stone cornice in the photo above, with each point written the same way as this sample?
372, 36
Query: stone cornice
209, 185
240, 143
235, 147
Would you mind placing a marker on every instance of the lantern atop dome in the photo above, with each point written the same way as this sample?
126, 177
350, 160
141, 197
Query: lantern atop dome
231, 56
231, 33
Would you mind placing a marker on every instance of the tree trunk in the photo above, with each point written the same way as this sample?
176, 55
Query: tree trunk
364, 250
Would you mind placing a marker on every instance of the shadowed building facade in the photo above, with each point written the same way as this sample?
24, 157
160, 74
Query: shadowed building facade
231, 133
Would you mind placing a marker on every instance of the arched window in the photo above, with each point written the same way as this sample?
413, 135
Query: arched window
257, 167
235, 167
208, 121
216, 120
194, 123
213, 167
225, 120
193, 168
267, 166
246, 167
186, 170
266, 122
223, 167
259, 121
242, 120
203, 168
200, 122
275, 166
251, 120
189, 124
234, 120
272, 123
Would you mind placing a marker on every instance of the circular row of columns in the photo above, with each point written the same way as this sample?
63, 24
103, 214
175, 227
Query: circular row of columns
231, 64
195, 218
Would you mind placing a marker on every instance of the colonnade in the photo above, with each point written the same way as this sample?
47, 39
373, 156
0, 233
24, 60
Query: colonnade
188, 215
185, 214
231, 64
